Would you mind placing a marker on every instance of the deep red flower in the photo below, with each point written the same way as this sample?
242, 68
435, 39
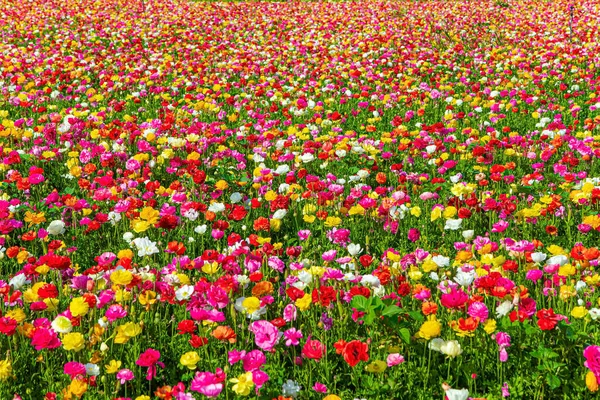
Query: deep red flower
355, 352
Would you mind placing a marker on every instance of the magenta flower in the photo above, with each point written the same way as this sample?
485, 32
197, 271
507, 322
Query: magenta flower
74, 368
266, 334
394, 359
320, 388
45, 338
149, 359
124, 375
592, 359
292, 337
207, 383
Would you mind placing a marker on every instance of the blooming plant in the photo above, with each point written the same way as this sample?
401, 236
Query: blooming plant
291, 200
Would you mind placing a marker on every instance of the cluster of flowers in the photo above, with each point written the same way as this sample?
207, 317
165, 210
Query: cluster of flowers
299, 200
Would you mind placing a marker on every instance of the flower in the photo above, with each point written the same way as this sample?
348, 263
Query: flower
243, 384
451, 348
189, 359
207, 383
124, 375
355, 351
266, 334
121, 277
376, 367
319, 387
149, 359
62, 324
73, 341
592, 359
394, 359
5, 370
56, 227
79, 306
291, 388
430, 328
591, 382
313, 349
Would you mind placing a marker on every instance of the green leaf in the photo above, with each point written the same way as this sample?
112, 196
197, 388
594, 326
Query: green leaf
405, 335
369, 318
390, 311
553, 381
361, 303
416, 315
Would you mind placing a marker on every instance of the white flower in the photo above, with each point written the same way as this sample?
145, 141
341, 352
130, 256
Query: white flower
431, 148
464, 278
456, 394
306, 158
370, 280
291, 388
468, 235
184, 292
145, 246
114, 217
282, 169
441, 261
56, 227
354, 249
580, 285
362, 174
216, 207
279, 214
538, 257
451, 348
503, 309
200, 229
191, 214
128, 237
92, 369
235, 197
434, 276
453, 224
104, 347
559, 259
436, 344
594, 313
18, 281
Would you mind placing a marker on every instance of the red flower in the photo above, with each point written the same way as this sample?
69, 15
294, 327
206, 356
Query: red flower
324, 295
313, 349
355, 352
8, 325
48, 291
547, 320
186, 326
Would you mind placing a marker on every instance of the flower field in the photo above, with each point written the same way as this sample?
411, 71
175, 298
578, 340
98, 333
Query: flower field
346, 200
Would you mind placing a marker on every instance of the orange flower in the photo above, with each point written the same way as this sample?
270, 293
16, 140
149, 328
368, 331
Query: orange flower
224, 333
164, 392
262, 288
429, 307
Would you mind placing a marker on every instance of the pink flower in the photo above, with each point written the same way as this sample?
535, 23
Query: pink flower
253, 360
259, 378
207, 383
45, 338
454, 298
292, 337
149, 359
266, 334
478, 310
592, 359
74, 368
499, 226
394, 359
124, 375
313, 349
320, 388
115, 312
414, 234
290, 313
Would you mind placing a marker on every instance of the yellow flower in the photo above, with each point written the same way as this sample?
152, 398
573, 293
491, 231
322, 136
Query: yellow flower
190, 359
251, 304
221, 185
489, 326
126, 253
73, 341
210, 268
376, 367
79, 306
17, 314
436, 213
243, 384
331, 222
77, 388
356, 210
126, 332
148, 297
304, 303
332, 397
275, 225
591, 382
416, 211
149, 214
143, 397
5, 369
33, 218
309, 219
579, 312
121, 277
450, 212
140, 226
112, 367
430, 329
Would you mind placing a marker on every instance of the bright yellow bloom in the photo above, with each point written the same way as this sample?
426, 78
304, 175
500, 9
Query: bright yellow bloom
243, 384
73, 341
5, 369
579, 312
190, 359
148, 297
332, 222
34, 219
150, 214
17, 314
121, 277
112, 367
304, 303
127, 331
79, 307
251, 304
77, 388
430, 329
489, 326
